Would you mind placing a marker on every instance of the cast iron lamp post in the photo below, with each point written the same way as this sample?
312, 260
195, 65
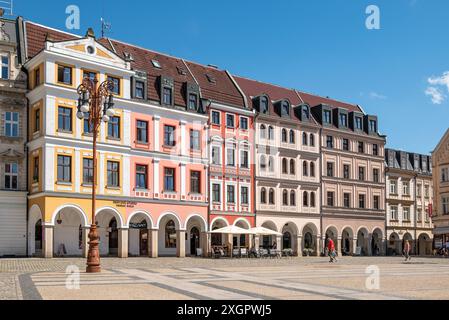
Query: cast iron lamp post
98, 102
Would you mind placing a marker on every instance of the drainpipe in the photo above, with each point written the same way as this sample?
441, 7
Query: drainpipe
416, 218
386, 213
27, 175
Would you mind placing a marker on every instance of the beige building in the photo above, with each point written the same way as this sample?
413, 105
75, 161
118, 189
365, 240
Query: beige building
13, 130
409, 202
287, 167
353, 182
440, 214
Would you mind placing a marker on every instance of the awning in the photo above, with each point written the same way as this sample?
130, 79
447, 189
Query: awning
232, 230
261, 231
441, 230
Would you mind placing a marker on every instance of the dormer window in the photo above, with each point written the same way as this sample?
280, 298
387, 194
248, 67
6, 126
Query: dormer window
116, 83
358, 123
139, 89
181, 71
305, 113
372, 126
167, 96
263, 105
285, 108
343, 120
193, 101
327, 116
156, 64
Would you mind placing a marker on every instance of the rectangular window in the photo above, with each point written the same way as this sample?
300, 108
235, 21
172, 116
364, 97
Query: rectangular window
373, 125
347, 200
376, 202
362, 173
195, 140
393, 187
114, 127
90, 75
169, 136
329, 142
116, 85
5, 67
330, 169
375, 150
11, 124
216, 195
230, 155
87, 128
167, 96
215, 117
65, 119
346, 144
343, 120
216, 155
244, 162
231, 194
37, 120
169, 179
230, 121
327, 116
358, 123
36, 170
65, 75
376, 175
361, 147
11, 176
394, 213
244, 195
113, 172
64, 169
361, 201
346, 171
142, 131
444, 174
330, 198
193, 101
88, 171
419, 190
139, 90
406, 188
141, 176
195, 181
37, 77
243, 123
426, 191
406, 213
419, 214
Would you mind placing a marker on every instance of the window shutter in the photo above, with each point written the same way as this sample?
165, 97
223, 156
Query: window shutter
2, 124
133, 87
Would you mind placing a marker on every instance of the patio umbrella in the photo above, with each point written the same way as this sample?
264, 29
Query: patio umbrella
232, 230
261, 231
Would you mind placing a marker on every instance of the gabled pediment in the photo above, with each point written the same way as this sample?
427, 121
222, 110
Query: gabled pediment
89, 49
11, 153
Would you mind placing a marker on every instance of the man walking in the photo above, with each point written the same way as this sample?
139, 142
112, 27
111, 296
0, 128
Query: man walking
407, 250
331, 250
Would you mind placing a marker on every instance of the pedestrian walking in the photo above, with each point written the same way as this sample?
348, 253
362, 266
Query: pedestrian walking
407, 250
331, 251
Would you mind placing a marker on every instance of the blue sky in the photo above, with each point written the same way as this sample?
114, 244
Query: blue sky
321, 47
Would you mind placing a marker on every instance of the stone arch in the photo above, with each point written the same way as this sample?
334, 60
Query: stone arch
139, 233
362, 241
85, 220
146, 215
394, 246
424, 244
347, 241
196, 227
243, 223
290, 234
332, 233
176, 219
268, 241
218, 239
377, 242
309, 240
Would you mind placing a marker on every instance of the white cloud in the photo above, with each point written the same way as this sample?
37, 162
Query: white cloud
434, 89
375, 95
435, 94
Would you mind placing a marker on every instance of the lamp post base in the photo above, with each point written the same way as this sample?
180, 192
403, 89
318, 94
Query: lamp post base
93, 256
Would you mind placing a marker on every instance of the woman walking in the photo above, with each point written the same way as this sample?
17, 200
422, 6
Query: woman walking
331, 250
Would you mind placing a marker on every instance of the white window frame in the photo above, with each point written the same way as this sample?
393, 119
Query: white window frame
219, 154
230, 146
226, 121
393, 187
12, 174
406, 214
247, 123
5, 55
394, 213
219, 117
12, 123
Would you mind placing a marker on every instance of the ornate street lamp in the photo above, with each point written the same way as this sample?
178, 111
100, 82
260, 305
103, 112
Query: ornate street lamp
98, 101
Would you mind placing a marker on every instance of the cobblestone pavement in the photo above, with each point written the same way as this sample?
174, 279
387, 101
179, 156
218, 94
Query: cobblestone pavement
236, 279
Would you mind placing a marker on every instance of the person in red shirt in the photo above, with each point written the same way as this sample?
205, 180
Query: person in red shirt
331, 250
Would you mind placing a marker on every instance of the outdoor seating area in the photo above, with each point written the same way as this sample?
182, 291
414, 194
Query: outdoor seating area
229, 251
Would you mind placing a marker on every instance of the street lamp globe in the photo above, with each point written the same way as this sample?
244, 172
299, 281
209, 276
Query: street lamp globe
80, 115
106, 118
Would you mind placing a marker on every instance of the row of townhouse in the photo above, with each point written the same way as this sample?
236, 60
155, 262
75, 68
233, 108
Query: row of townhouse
190, 149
